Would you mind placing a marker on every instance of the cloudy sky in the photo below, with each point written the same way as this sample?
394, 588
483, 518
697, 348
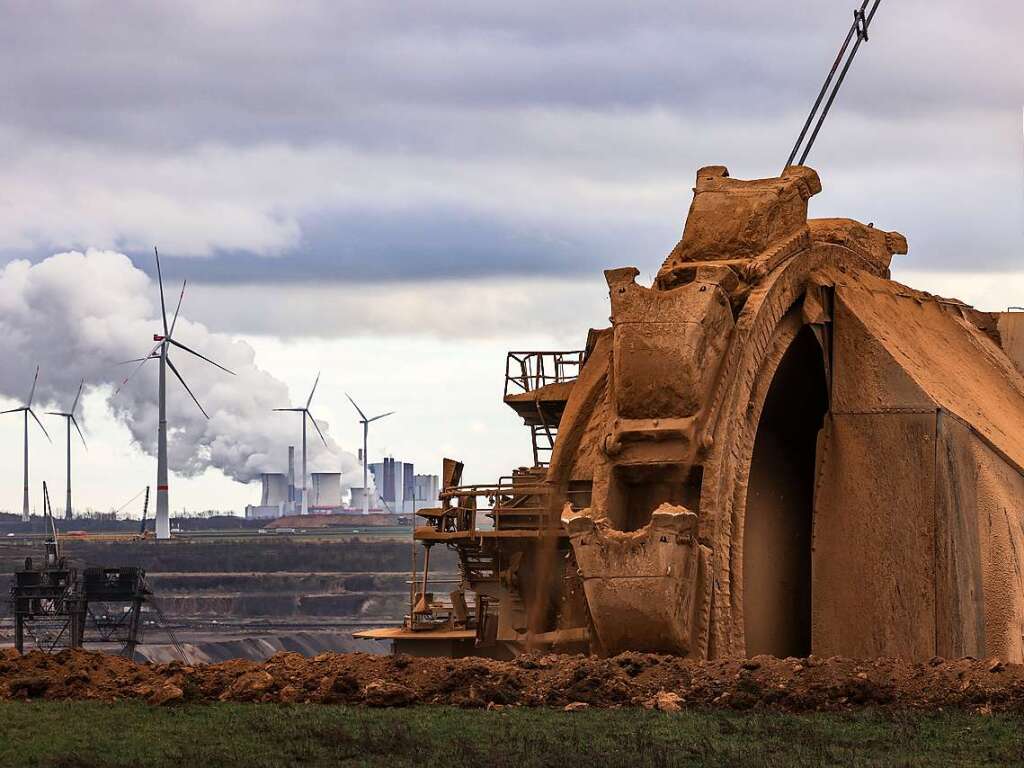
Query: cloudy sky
396, 193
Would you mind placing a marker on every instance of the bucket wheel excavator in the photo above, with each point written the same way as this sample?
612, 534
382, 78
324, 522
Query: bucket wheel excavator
775, 448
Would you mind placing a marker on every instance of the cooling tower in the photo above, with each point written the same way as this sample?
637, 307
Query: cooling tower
275, 488
326, 489
356, 502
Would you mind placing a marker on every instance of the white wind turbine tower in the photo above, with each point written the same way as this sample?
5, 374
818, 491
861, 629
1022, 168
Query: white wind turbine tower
161, 352
366, 455
70, 418
306, 412
27, 410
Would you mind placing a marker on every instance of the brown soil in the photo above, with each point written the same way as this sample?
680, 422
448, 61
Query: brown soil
538, 680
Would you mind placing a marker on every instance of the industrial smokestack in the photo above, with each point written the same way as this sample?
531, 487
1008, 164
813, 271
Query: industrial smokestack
291, 479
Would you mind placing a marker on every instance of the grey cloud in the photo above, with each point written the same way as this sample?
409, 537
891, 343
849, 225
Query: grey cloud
78, 316
368, 141
169, 75
484, 308
433, 244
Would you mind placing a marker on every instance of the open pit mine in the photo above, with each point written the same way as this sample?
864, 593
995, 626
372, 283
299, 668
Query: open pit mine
774, 449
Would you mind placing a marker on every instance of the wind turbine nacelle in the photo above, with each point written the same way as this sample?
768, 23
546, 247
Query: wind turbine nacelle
157, 337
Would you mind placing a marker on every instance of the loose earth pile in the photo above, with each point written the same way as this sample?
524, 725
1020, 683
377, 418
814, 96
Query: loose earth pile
631, 679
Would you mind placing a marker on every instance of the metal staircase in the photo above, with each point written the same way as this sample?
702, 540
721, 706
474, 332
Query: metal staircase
537, 387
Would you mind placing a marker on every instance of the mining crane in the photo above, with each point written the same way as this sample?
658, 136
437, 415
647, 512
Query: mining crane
52, 544
145, 510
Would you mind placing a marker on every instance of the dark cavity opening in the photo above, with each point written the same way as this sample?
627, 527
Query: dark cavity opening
780, 501
636, 491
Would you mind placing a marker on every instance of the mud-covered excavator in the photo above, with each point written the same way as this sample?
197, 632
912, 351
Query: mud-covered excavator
775, 448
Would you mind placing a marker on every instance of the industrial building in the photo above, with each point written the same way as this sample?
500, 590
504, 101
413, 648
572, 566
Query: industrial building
275, 499
279, 495
397, 490
400, 489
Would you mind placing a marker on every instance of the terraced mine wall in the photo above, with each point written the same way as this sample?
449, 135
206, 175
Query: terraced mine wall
231, 555
252, 596
282, 594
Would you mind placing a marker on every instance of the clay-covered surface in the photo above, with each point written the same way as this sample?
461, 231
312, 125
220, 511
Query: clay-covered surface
926, 407
631, 679
850, 452
1011, 333
954, 365
734, 219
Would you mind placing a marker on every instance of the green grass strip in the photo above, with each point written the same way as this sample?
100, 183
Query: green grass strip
94, 735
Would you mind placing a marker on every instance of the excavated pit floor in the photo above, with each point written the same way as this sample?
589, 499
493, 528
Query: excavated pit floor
631, 679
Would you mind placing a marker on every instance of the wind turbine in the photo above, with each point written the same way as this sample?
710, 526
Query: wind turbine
306, 412
366, 456
70, 418
161, 352
27, 410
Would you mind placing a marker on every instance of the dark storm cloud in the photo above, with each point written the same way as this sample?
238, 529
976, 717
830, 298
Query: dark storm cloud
416, 139
431, 244
161, 74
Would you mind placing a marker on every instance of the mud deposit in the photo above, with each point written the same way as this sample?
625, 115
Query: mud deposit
664, 682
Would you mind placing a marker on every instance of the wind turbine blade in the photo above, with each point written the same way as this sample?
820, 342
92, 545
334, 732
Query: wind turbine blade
178, 308
202, 357
75, 404
32, 393
160, 280
310, 400
127, 378
316, 427
33, 415
75, 422
14, 410
389, 413
300, 410
194, 399
149, 356
355, 406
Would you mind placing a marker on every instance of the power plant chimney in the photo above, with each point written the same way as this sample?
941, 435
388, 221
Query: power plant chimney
291, 479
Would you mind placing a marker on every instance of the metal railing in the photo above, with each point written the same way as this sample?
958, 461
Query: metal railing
512, 503
527, 371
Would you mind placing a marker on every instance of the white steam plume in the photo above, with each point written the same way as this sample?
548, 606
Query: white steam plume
78, 315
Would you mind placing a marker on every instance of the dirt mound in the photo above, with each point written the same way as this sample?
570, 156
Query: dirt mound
631, 679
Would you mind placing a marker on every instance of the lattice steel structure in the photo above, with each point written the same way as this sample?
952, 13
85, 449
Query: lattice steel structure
47, 606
